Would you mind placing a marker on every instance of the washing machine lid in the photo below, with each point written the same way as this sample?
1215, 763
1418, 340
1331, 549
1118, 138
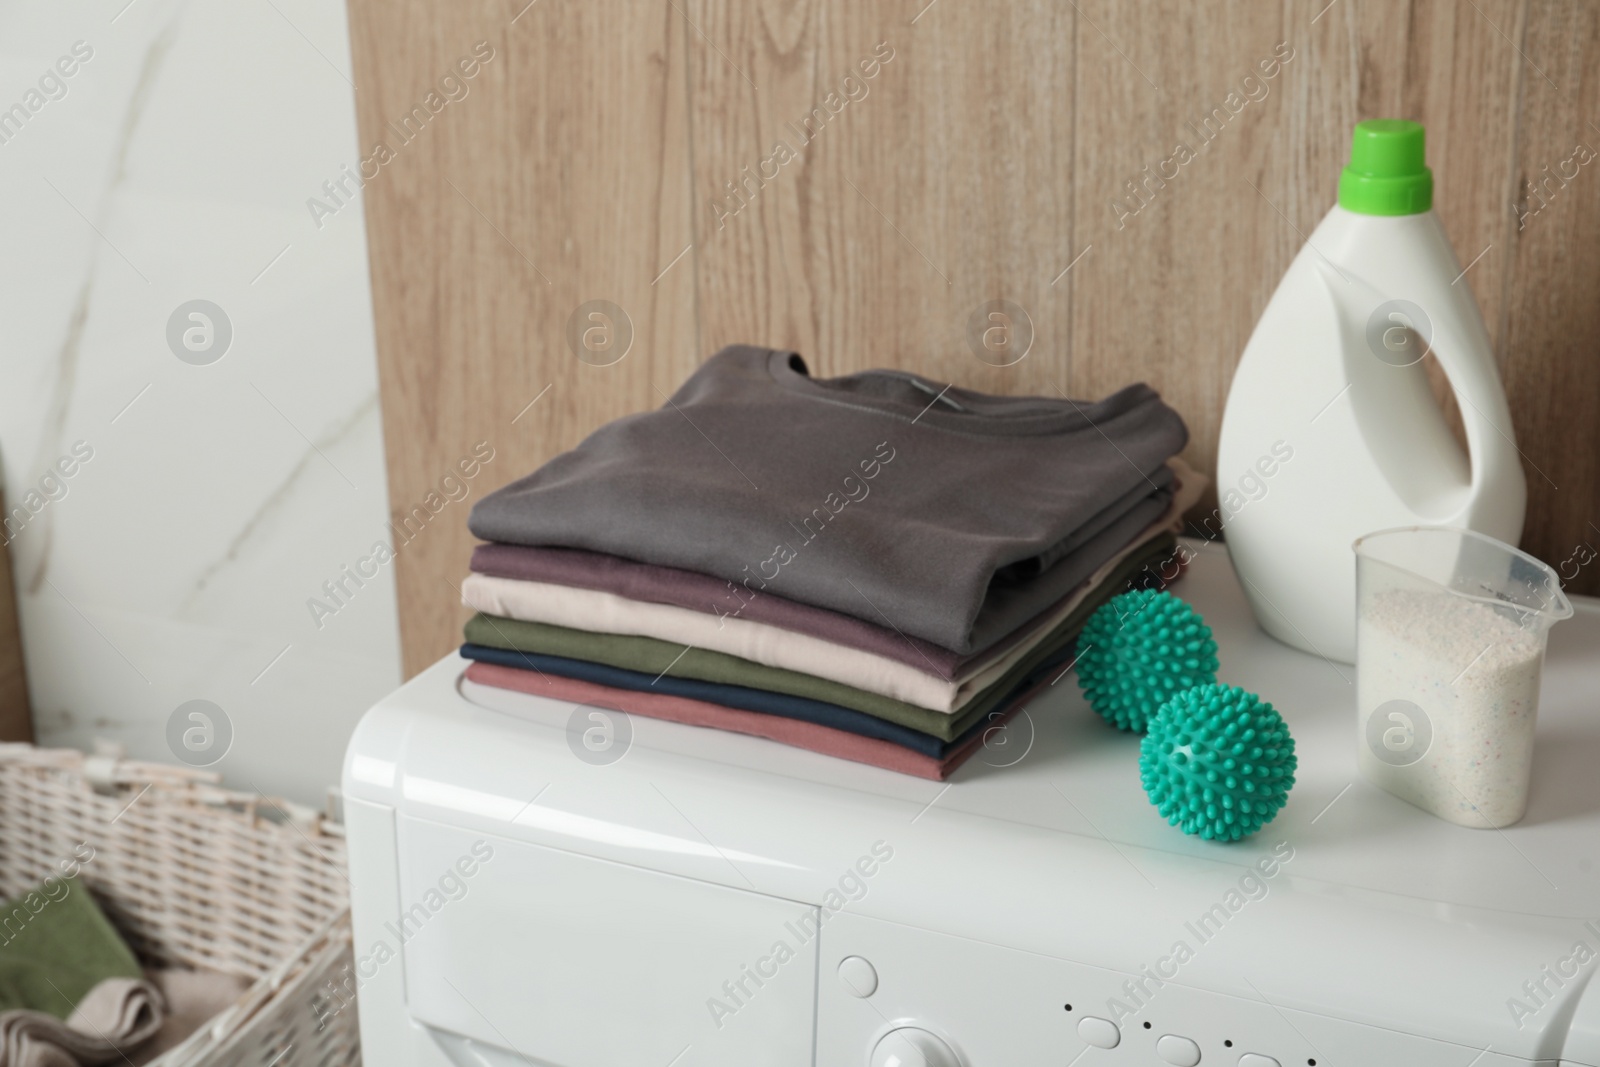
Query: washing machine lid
1045, 840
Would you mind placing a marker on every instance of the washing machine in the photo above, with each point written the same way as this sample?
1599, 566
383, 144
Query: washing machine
538, 884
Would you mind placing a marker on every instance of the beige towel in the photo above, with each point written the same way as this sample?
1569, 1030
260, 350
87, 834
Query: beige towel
117, 1014
194, 998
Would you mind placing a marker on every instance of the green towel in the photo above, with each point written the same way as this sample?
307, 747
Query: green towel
56, 945
650, 656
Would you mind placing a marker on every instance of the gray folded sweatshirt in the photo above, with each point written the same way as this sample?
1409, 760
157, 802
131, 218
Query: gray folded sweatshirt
880, 495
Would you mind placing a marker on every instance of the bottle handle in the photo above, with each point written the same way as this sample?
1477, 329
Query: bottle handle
1455, 332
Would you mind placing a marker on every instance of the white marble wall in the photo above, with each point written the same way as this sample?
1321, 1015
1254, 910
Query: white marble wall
174, 164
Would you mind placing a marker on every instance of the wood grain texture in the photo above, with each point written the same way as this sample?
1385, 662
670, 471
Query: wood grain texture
560, 179
1182, 266
852, 253
861, 182
16, 721
1552, 317
1184, 254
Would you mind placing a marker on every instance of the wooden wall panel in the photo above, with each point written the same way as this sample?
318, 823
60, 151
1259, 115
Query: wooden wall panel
1550, 360
630, 152
1183, 267
16, 721
561, 179
944, 186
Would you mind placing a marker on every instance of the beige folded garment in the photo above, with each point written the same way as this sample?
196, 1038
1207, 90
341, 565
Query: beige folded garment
194, 999
116, 1015
772, 646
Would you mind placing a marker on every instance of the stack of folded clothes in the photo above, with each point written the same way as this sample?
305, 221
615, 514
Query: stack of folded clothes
873, 567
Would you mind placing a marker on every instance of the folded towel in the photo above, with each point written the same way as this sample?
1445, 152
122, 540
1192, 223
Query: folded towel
194, 999
111, 1019
882, 496
55, 946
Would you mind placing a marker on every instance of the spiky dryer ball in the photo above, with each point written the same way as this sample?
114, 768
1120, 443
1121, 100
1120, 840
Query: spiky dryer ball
1138, 651
1218, 762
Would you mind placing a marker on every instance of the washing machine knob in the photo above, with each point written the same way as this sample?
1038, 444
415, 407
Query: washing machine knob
911, 1047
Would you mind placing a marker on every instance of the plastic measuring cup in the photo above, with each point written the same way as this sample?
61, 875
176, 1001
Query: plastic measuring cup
1451, 628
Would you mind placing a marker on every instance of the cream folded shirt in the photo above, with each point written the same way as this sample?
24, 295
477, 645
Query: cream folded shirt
602, 612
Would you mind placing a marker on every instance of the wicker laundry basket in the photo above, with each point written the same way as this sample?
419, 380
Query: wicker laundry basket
199, 876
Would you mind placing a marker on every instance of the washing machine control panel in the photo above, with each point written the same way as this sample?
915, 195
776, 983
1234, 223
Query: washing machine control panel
895, 996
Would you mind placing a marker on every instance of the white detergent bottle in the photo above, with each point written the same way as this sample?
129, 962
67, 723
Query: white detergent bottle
1331, 430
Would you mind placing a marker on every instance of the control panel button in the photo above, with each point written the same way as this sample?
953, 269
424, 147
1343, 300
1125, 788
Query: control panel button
1255, 1059
858, 976
1178, 1050
1101, 1033
913, 1047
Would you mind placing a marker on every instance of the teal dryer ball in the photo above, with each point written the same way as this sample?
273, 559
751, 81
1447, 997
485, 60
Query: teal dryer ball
1218, 762
1138, 651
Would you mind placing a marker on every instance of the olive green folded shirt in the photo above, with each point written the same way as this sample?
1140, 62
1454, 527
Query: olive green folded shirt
650, 656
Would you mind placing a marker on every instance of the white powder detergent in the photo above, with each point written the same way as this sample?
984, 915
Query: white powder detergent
1447, 690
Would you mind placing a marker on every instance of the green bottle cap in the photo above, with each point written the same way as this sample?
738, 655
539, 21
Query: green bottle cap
1388, 174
